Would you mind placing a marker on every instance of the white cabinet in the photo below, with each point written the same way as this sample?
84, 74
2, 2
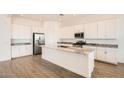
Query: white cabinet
107, 54
21, 32
101, 54
67, 32
111, 29
29, 49
102, 30
107, 29
15, 31
78, 28
91, 31
21, 50
15, 51
111, 55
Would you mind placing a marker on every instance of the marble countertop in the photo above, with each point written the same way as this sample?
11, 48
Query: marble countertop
14, 44
85, 51
92, 44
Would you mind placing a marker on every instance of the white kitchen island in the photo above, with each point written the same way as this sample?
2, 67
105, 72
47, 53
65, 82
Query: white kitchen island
77, 60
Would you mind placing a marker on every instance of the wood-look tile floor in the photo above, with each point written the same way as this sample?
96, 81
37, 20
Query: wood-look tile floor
35, 67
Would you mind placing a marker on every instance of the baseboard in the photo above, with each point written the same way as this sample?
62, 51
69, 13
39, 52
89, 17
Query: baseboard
5, 60
105, 62
121, 62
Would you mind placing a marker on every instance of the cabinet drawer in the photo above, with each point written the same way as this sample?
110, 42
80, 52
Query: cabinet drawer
107, 54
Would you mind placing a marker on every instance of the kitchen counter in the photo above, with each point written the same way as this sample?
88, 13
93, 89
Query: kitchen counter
77, 60
71, 49
92, 44
103, 45
15, 44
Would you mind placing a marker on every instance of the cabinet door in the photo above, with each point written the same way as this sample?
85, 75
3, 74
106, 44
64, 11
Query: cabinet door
22, 50
101, 54
107, 29
29, 49
68, 32
15, 51
91, 31
21, 32
111, 55
15, 31
111, 29
102, 30
25, 32
78, 28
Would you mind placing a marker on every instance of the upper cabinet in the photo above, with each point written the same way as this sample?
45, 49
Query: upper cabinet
90, 31
21, 32
102, 30
111, 29
67, 32
96, 30
107, 29
79, 28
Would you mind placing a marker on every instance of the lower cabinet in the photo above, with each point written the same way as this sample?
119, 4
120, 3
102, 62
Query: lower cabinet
15, 51
21, 50
101, 54
107, 54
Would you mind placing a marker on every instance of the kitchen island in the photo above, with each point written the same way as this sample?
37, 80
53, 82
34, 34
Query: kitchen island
77, 60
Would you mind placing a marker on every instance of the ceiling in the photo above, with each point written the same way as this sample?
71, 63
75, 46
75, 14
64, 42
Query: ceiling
66, 19
50, 17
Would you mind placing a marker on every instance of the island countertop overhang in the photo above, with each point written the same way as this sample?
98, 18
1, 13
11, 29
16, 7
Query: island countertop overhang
85, 51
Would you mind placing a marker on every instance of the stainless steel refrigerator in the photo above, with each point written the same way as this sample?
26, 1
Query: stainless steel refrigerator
38, 41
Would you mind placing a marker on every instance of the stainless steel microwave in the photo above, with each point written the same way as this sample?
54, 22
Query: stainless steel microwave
79, 35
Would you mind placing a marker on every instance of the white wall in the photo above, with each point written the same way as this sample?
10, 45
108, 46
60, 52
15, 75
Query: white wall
5, 41
120, 30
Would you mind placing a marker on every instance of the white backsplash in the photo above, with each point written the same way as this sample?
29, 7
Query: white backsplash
21, 41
